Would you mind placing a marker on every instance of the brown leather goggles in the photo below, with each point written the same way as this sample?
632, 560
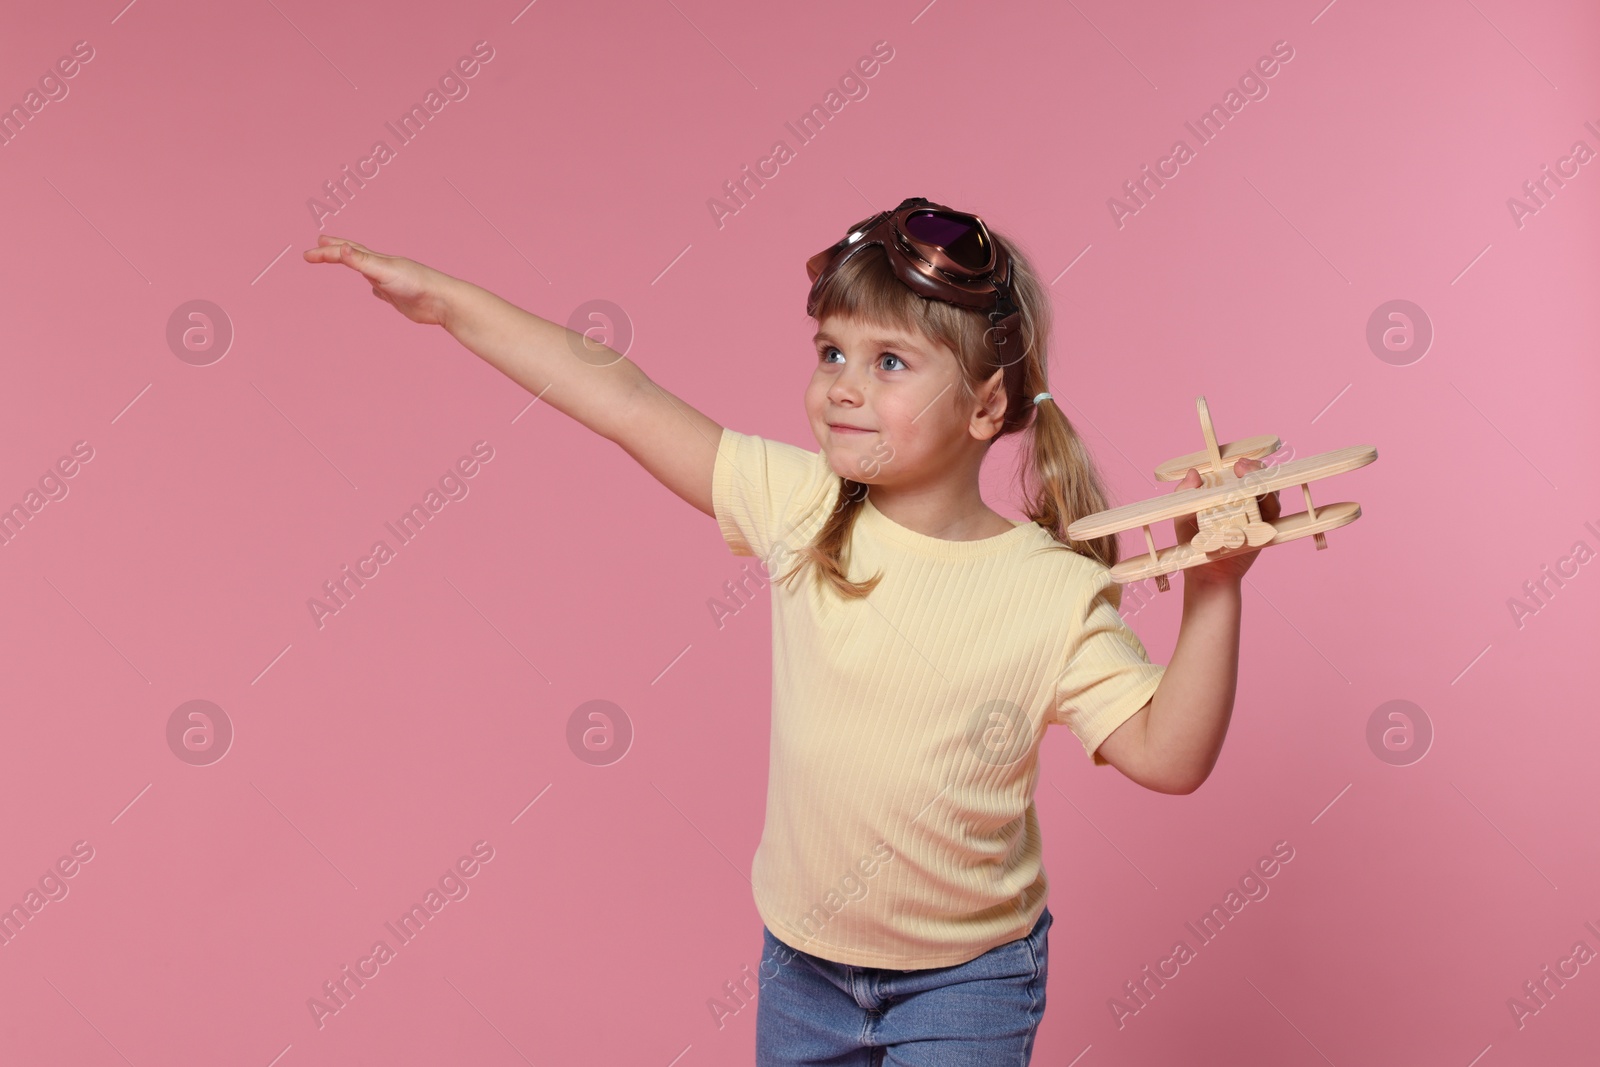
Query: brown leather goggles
938, 253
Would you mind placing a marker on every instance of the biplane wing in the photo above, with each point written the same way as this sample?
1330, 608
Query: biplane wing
1256, 483
1287, 528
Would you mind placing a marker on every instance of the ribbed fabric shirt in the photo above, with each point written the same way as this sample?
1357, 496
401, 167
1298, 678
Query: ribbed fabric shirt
900, 825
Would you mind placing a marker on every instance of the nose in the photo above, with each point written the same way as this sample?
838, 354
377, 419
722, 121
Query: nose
845, 390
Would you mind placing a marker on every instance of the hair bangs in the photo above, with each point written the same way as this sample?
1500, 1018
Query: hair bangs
865, 288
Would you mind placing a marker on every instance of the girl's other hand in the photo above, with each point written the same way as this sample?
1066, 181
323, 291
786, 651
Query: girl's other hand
417, 291
1232, 568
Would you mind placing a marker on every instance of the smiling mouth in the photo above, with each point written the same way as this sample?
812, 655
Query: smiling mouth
836, 428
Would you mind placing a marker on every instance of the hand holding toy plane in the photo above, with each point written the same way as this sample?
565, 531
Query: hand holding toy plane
1224, 508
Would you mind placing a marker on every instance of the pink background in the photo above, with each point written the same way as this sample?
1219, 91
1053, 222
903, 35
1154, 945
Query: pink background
428, 714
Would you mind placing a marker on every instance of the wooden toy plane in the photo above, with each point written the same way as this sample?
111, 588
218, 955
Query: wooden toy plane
1227, 517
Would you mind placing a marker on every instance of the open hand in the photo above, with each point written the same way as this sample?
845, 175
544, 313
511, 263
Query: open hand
1232, 568
415, 290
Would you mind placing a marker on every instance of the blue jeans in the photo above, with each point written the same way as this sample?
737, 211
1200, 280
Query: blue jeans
814, 1012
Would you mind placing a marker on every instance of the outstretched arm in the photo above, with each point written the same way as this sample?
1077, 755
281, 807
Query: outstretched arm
603, 390
1172, 743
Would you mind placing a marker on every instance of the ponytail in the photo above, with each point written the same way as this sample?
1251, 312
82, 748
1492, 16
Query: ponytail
1065, 486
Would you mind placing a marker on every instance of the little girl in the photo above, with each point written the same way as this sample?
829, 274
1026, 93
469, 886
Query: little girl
921, 641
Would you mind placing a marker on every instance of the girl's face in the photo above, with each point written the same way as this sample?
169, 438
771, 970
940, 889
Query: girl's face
887, 407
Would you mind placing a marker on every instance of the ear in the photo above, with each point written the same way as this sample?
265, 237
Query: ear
991, 412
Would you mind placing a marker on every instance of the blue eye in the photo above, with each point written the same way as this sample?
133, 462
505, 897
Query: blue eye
826, 349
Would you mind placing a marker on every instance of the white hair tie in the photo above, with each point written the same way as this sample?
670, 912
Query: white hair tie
1041, 396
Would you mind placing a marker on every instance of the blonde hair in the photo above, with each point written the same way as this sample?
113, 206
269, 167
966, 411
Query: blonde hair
1059, 480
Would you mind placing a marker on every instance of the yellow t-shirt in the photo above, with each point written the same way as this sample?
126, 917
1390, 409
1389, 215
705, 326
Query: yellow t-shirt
900, 826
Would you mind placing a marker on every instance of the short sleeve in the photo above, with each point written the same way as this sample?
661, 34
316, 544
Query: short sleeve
1106, 675
762, 491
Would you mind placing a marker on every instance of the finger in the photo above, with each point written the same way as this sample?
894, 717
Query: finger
370, 264
322, 254
1250, 466
328, 239
1268, 505
331, 249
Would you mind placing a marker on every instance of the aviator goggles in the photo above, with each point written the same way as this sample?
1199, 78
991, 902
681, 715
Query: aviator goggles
938, 253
